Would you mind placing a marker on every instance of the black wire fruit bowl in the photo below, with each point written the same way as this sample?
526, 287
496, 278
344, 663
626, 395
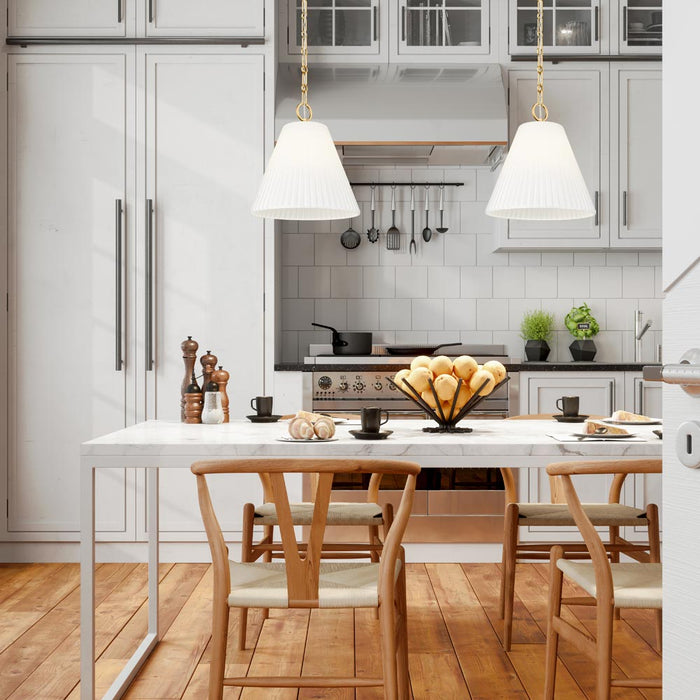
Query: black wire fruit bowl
446, 418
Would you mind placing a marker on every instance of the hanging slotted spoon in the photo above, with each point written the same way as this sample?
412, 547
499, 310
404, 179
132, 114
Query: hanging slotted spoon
442, 228
373, 233
427, 232
393, 235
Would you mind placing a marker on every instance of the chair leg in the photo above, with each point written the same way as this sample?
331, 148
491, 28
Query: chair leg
402, 640
604, 633
220, 613
510, 540
655, 557
268, 531
246, 555
388, 641
373, 539
615, 559
553, 610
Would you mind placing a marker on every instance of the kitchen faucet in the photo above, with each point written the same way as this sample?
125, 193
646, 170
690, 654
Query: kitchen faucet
639, 332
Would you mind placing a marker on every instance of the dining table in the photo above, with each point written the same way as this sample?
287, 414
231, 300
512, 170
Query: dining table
155, 445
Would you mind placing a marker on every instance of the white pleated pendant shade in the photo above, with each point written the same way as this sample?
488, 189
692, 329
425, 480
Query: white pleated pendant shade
304, 179
540, 179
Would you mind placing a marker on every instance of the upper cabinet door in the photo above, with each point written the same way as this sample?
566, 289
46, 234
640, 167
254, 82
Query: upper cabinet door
443, 27
575, 100
638, 187
570, 26
640, 25
68, 17
204, 17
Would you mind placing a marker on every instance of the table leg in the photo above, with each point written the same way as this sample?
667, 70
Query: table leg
87, 582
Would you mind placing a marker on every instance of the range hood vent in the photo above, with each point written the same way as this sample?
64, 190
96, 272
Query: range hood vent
410, 115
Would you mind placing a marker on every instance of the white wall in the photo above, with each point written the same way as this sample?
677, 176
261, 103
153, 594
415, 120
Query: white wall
454, 288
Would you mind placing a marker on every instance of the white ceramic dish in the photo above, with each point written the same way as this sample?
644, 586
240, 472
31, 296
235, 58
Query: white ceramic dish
653, 421
602, 436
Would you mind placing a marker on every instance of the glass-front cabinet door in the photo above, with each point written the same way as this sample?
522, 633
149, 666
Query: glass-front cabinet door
336, 26
444, 27
641, 26
570, 26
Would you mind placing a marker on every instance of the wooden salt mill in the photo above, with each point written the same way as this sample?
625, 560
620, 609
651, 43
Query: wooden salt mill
208, 366
193, 402
221, 377
189, 355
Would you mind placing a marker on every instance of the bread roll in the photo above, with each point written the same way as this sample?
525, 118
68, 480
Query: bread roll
301, 429
478, 378
440, 365
420, 361
445, 386
429, 398
464, 366
324, 428
497, 369
420, 378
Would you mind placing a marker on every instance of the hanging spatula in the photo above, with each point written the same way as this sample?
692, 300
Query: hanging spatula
393, 235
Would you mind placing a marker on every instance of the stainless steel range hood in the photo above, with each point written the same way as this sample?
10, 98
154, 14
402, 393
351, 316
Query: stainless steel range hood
404, 114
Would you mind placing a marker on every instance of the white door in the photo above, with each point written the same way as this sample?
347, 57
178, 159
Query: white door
69, 360
68, 17
681, 332
577, 100
204, 160
204, 17
638, 186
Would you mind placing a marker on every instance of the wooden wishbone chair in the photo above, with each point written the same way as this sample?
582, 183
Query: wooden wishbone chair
610, 586
369, 514
303, 580
612, 515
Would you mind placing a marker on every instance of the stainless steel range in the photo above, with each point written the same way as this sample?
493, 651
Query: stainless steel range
362, 381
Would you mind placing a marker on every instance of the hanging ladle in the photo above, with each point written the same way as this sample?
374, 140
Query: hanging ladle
373, 233
412, 244
427, 233
442, 228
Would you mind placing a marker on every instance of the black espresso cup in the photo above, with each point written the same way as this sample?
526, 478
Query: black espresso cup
568, 405
371, 419
262, 405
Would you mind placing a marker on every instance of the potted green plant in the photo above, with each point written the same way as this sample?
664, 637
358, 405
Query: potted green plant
582, 325
536, 331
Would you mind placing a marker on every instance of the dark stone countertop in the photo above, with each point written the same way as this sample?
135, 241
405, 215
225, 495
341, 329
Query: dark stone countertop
517, 367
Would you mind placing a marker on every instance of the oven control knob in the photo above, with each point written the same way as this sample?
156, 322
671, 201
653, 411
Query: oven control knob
358, 386
378, 386
392, 387
325, 382
343, 386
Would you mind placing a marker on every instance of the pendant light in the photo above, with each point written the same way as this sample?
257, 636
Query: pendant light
540, 179
304, 179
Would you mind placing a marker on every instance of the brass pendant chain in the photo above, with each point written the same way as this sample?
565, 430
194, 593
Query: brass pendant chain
539, 109
304, 112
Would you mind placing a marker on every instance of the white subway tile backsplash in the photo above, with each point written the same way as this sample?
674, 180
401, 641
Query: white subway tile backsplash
509, 282
573, 282
558, 259
492, 314
363, 315
431, 253
444, 282
297, 249
477, 282
467, 193
484, 252
332, 312
653, 259
541, 282
525, 259
620, 314
366, 253
517, 308
637, 282
606, 282
460, 249
460, 314
474, 218
328, 250
290, 282
346, 283
297, 313
589, 259
411, 282
411, 337
314, 282
379, 282
622, 258
395, 313
428, 314
485, 180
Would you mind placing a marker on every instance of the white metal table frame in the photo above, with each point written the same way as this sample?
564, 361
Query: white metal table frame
90, 463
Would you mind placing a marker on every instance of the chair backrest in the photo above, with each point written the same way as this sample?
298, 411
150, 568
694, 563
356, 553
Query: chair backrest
562, 472
302, 566
372, 490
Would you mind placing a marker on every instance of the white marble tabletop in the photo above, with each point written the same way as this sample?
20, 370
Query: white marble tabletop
491, 441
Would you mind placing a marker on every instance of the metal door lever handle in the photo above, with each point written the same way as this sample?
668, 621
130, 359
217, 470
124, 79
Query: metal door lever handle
686, 374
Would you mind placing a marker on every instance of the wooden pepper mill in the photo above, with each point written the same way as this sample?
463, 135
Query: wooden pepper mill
221, 377
193, 402
208, 366
189, 355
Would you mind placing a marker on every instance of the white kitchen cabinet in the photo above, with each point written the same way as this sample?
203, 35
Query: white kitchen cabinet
69, 17
204, 17
577, 99
70, 177
636, 181
204, 157
640, 26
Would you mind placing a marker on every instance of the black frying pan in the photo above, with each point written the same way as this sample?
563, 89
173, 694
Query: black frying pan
417, 349
349, 343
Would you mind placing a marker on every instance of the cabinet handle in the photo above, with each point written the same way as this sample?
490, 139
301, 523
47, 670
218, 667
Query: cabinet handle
403, 23
612, 396
149, 285
150, 11
624, 208
119, 11
624, 23
640, 398
118, 211
375, 20
596, 199
596, 22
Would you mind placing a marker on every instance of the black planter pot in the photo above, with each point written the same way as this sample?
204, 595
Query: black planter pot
537, 350
583, 350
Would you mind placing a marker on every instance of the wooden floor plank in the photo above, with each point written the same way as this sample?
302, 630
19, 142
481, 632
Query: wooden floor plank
426, 628
528, 661
368, 660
